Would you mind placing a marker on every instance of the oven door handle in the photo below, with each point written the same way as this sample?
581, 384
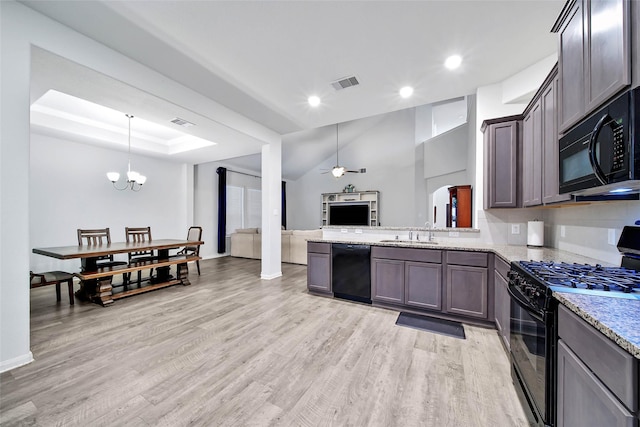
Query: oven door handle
597, 170
525, 305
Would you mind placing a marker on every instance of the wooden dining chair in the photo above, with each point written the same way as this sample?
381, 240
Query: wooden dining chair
53, 278
139, 235
97, 237
194, 233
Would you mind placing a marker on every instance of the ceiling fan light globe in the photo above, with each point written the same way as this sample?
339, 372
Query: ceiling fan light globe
338, 171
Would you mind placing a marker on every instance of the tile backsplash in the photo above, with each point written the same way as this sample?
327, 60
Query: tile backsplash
586, 227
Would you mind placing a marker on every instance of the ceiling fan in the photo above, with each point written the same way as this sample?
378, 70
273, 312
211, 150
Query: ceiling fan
338, 170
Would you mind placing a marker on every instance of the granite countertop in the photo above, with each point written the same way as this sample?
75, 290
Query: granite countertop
616, 318
507, 252
374, 228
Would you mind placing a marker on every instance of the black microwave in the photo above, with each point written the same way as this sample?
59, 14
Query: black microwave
601, 155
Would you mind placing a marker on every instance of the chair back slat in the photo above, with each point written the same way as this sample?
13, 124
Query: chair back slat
95, 237
138, 235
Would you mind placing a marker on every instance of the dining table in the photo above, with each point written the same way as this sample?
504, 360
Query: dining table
96, 282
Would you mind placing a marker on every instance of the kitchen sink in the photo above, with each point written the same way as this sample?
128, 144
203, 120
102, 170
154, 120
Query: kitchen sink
413, 242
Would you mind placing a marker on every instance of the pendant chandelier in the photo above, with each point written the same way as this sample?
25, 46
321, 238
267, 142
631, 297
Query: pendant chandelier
134, 179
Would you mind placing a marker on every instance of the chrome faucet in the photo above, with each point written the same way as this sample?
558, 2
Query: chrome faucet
427, 225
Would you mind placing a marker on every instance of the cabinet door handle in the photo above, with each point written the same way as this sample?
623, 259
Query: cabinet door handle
597, 170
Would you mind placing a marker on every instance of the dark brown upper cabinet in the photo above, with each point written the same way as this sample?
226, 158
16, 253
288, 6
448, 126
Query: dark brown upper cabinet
594, 55
502, 160
540, 151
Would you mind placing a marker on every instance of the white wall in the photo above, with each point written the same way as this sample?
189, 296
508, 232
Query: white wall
68, 189
387, 150
14, 185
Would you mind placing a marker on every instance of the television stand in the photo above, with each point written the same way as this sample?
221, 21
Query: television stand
358, 198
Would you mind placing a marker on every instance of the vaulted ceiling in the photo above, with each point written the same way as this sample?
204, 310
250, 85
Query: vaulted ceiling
263, 59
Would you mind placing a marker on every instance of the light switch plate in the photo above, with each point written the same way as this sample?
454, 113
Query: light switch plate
358, 230
515, 228
454, 234
563, 231
344, 230
611, 236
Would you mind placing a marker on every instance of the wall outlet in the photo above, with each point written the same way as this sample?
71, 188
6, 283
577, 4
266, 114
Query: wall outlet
358, 230
454, 233
563, 231
515, 228
344, 230
611, 236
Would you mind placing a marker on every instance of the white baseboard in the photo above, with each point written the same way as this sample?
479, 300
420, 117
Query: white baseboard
7, 365
270, 276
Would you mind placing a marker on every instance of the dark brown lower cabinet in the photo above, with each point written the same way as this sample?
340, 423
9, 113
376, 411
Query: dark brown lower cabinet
467, 291
319, 267
582, 399
411, 283
597, 381
387, 280
415, 278
407, 277
423, 285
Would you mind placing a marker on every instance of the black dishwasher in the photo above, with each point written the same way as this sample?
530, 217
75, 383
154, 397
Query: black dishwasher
351, 272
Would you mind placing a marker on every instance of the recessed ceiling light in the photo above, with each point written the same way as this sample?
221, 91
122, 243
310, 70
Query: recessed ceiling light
314, 100
406, 91
453, 62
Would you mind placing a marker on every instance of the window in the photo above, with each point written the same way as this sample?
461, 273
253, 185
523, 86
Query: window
253, 211
244, 208
234, 208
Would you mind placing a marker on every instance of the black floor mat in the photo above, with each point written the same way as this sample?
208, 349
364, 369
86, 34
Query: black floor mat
430, 324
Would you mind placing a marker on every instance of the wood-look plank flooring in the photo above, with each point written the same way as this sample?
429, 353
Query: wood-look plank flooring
232, 350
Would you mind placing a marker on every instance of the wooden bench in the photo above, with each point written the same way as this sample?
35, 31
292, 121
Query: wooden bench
53, 278
97, 284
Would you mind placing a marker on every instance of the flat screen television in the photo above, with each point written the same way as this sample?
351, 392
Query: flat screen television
352, 214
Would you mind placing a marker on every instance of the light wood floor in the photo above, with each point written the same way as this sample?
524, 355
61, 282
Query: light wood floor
232, 350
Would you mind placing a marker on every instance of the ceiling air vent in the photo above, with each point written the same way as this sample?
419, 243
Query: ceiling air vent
182, 122
345, 83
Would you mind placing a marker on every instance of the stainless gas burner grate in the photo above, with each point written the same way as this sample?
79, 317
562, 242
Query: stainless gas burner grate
585, 276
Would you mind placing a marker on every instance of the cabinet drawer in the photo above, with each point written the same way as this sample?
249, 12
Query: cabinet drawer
407, 254
472, 259
319, 248
582, 399
616, 368
502, 267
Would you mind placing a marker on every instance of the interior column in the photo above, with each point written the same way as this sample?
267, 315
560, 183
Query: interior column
271, 209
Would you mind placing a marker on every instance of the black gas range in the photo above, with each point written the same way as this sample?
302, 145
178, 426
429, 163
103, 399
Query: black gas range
533, 313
